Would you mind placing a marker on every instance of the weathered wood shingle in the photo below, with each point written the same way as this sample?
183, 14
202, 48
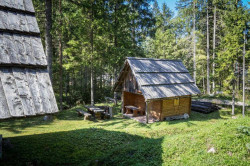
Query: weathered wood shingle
159, 78
25, 86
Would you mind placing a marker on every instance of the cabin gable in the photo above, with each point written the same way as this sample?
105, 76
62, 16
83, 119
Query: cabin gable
130, 84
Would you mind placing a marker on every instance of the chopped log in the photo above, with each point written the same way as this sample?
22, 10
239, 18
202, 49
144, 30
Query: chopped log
83, 113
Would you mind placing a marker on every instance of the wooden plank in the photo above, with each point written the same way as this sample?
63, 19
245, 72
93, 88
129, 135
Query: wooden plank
35, 91
3, 57
10, 48
23, 26
10, 89
46, 79
28, 50
4, 109
24, 91
37, 51
32, 24
4, 20
83, 113
43, 89
28, 5
13, 21
20, 49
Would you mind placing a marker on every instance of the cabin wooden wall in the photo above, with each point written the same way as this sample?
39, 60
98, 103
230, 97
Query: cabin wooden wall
133, 99
155, 109
161, 109
130, 84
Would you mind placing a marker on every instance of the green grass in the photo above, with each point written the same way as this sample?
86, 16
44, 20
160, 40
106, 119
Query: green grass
69, 140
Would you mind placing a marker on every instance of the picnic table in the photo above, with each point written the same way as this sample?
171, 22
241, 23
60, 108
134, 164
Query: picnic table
134, 110
96, 111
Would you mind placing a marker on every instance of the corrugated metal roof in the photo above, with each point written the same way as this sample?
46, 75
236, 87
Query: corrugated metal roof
161, 78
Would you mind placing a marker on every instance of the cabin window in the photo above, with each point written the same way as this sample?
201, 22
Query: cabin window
177, 102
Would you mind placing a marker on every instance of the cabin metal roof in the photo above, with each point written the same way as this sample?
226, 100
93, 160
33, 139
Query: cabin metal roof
25, 86
159, 78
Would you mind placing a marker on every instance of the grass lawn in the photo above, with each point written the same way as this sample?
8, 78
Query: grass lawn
69, 140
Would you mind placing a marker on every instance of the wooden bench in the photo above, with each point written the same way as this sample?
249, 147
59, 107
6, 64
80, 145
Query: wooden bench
83, 113
133, 110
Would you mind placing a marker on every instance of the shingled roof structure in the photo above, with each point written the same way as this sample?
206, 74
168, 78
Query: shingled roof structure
158, 78
25, 86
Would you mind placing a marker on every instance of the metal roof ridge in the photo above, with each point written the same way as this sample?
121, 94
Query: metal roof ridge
154, 59
140, 72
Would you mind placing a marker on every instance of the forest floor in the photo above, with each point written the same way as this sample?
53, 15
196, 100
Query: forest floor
69, 140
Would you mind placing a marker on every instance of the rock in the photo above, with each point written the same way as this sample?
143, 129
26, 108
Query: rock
248, 146
7, 144
186, 116
234, 117
211, 150
48, 117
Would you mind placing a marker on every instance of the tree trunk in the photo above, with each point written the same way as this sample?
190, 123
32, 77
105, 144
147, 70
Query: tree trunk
208, 68
48, 36
92, 51
243, 79
214, 49
116, 45
203, 81
60, 56
115, 93
233, 98
194, 44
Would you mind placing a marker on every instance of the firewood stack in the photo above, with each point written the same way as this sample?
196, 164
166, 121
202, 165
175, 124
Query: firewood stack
204, 107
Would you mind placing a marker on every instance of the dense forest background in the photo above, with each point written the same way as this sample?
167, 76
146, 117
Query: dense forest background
90, 40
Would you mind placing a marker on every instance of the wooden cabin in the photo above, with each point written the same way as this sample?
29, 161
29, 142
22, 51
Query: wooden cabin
160, 88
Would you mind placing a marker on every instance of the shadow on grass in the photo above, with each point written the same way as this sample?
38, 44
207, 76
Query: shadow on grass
16, 125
123, 122
83, 147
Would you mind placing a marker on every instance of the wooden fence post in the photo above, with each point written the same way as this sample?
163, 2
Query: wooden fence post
110, 112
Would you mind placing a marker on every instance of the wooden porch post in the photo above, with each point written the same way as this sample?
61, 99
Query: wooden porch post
122, 102
147, 112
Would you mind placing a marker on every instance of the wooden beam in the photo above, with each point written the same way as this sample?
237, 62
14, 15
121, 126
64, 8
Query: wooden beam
122, 102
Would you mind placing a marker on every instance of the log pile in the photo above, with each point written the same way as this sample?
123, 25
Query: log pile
204, 107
